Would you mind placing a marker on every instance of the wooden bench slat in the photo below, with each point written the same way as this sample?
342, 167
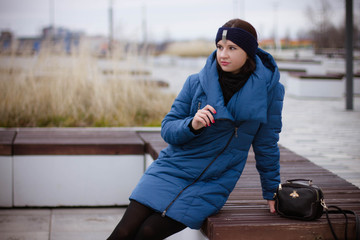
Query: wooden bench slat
81, 142
153, 143
272, 231
6, 141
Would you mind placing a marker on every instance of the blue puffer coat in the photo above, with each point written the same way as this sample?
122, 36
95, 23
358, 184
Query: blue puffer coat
194, 175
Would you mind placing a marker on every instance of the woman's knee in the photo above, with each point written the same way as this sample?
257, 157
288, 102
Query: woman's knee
121, 234
147, 232
157, 227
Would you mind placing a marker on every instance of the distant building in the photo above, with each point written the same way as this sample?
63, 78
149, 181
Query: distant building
59, 40
62, 39
28, 46
6, 39
286, 43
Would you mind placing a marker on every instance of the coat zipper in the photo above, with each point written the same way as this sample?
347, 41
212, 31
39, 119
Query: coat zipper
163, 214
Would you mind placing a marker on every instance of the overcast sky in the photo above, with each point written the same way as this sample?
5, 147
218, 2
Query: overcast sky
165, 19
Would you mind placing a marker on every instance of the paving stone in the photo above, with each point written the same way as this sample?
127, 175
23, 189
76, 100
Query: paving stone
24, 220
68, 224
324, 132
79, 235
24, 236
24, 224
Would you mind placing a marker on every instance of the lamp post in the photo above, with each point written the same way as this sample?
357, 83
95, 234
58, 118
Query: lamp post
52, 18
349, 55
239, 8
111, 28
276, 32
52, 12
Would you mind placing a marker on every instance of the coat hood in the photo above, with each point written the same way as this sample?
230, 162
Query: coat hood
251, 101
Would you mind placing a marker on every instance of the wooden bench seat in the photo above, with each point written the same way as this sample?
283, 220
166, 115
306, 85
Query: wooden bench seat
246, 215
153, 143
79, 141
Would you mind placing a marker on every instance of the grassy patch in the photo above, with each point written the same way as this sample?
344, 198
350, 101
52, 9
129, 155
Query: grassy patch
71, 91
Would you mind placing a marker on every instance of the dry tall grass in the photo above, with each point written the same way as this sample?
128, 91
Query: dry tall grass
195, 48
71, 91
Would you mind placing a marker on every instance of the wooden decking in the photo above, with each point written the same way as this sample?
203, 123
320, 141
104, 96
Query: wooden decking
244, 216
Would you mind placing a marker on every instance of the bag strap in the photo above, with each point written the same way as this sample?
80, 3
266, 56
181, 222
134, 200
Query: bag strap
344, 212
309, 181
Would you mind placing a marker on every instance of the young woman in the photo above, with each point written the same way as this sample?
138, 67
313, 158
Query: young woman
234, 102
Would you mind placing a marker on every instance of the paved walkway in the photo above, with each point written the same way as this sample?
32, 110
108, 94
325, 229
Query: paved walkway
325, 133
320, 130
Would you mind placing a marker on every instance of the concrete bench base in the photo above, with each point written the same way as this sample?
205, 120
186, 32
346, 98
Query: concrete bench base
316, 86
53, 181
6, 176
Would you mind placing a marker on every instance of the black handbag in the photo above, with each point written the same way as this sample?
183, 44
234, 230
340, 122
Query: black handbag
299, 199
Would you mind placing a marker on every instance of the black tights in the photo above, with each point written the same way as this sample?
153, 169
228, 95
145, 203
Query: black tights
141, 222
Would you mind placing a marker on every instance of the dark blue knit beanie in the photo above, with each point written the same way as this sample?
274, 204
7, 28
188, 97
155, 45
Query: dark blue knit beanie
240, 37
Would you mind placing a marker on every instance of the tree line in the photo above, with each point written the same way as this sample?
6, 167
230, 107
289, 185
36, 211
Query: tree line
324, 32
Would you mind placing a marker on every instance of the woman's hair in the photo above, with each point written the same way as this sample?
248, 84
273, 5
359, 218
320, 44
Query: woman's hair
250, 64
238, 23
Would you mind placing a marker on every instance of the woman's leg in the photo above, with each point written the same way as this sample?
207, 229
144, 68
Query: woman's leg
130, 223
156, 227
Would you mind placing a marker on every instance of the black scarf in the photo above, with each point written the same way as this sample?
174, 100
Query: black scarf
231, 83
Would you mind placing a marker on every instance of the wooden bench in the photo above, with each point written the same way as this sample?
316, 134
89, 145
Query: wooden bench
77, 141
51, 167
246, 215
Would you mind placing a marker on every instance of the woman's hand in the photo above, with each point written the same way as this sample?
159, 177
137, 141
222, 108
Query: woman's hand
203, 118
271, 206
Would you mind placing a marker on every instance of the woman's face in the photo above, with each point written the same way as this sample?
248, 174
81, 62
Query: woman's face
230, 56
